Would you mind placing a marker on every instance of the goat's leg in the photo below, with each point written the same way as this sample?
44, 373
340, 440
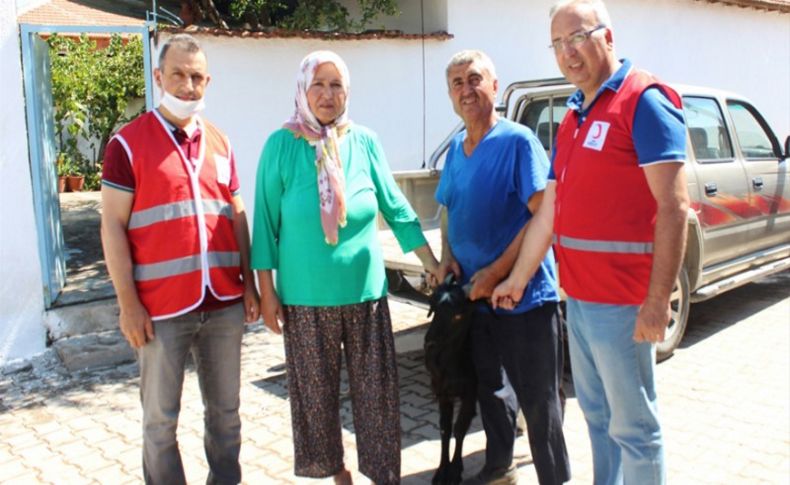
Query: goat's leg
465, 415
445, 428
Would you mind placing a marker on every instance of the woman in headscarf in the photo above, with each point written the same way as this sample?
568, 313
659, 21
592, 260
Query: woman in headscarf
321, 182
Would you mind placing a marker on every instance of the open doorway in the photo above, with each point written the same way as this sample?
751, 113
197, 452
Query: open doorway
81, 84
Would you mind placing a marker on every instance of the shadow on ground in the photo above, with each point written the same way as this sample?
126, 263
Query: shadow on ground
419, 411
472, 463
710, 317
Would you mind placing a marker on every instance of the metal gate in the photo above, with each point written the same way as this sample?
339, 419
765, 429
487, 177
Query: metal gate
41, 141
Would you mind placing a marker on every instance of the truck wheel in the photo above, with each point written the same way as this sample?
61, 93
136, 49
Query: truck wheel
679, 304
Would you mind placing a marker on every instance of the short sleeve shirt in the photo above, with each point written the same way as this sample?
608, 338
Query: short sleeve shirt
659, 132
117, 171
486, 195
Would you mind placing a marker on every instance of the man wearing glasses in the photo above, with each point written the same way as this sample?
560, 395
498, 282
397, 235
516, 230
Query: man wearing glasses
616, 203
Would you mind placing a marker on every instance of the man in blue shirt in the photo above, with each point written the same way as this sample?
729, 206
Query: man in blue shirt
493, 181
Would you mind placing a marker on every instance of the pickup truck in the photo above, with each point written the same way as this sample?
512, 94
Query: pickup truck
738, 182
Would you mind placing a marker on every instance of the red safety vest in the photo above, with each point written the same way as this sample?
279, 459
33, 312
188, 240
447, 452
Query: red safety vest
181, 226
605, 214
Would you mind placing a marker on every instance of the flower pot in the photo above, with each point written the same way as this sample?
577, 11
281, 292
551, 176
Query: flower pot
75, 182
61, 184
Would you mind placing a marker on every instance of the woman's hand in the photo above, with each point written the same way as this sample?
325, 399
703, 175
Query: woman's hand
430, 263
271, 309
272, 312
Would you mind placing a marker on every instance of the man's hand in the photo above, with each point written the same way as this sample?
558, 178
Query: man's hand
251, 303
242, 234
446, 266
134, 320
508, 293
483, 283
136, 326
667, 182
652, 321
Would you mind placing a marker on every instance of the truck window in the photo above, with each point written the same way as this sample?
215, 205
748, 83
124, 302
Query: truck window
709, 137
755, 142
543, 116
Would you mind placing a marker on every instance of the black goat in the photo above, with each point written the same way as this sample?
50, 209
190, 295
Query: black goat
448, 358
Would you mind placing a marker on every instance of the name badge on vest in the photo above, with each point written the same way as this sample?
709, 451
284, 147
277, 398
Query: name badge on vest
596, 136
223, 169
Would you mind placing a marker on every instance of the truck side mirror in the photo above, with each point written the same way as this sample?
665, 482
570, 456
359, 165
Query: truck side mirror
787, 147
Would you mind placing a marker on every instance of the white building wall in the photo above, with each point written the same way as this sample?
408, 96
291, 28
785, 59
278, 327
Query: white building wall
414, 16
21, 288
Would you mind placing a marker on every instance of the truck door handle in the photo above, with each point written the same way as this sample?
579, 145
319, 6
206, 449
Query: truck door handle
757, 183
711, 189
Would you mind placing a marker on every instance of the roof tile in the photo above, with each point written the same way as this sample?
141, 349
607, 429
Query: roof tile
65, 12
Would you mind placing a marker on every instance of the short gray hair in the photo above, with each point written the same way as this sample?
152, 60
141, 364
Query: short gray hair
601, 13
183, 42
469, 56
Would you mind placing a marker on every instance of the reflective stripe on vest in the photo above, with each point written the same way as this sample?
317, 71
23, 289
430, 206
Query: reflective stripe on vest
177, 210
179, 266
621, 247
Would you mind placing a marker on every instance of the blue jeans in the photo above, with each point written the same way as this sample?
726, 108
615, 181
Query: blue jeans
613, 377
214, 338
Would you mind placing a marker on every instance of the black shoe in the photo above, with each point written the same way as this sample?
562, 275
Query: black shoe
498, 476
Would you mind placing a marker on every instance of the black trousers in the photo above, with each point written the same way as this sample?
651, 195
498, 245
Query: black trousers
529, 348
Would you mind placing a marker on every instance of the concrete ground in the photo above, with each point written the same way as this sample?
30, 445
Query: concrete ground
87, 279
724, 402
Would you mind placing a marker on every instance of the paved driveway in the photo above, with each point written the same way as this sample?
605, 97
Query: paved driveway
724, 401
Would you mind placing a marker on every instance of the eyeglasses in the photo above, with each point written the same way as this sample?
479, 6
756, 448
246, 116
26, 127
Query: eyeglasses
574, 40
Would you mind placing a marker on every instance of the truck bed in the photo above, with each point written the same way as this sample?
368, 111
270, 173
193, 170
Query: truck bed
407, 263
419, 187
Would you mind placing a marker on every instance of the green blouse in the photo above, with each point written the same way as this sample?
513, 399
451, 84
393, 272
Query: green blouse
287, 234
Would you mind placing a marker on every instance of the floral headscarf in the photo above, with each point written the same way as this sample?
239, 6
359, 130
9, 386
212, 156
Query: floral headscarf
325, 139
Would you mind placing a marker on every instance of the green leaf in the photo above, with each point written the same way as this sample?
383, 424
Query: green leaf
91, 88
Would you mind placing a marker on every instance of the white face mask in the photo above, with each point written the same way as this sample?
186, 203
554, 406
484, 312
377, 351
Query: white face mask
181, 109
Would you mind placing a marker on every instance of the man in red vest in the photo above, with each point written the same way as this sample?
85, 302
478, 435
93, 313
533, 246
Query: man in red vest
176, 243
616, 203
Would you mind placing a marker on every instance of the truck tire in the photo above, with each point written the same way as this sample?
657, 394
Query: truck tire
679, 304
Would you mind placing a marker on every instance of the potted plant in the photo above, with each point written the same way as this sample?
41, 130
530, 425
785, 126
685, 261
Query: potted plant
62, 168
75, 181
71, 165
